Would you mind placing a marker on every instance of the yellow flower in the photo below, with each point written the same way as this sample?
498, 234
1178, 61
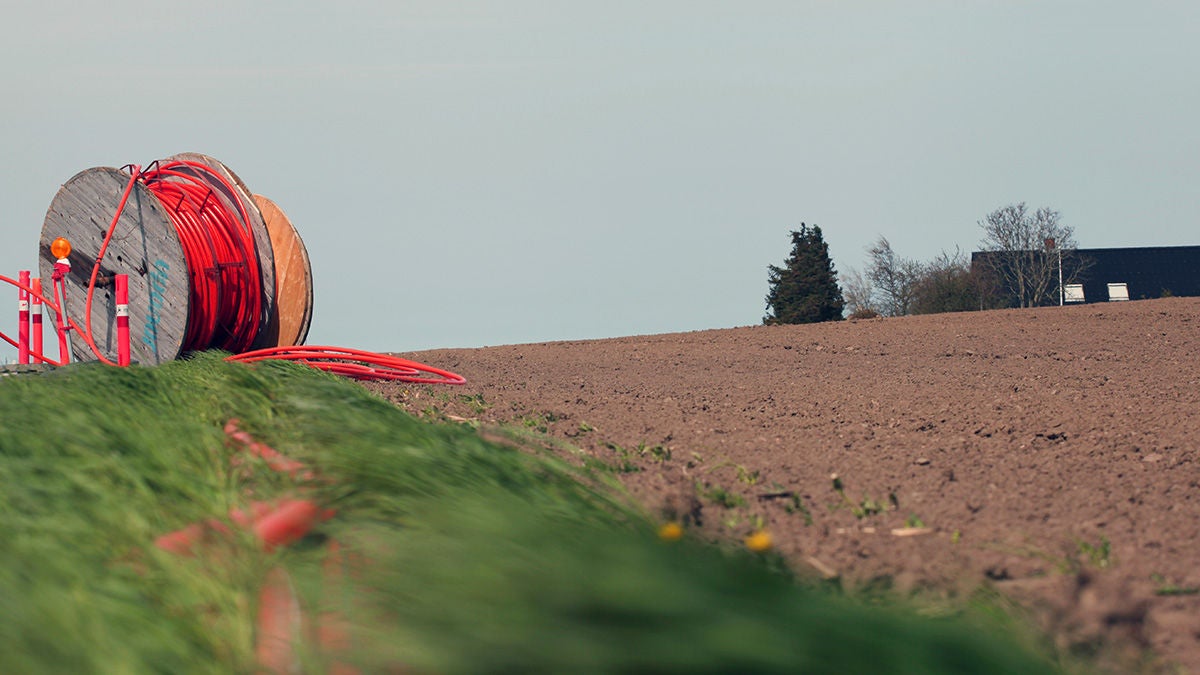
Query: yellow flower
759, 541
670, 532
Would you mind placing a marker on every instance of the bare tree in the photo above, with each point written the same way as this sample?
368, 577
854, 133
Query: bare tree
894, 278
1023, 251
859, 294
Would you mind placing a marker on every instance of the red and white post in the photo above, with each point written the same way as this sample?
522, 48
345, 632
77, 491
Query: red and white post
61, 269
23, 319
36, 316
122, 282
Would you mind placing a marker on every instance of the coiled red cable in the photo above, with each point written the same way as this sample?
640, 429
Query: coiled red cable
226, 306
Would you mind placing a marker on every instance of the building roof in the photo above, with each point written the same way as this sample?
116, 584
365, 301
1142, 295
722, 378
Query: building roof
1147, 271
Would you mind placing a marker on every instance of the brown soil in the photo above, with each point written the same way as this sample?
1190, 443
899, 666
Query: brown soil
1049, 453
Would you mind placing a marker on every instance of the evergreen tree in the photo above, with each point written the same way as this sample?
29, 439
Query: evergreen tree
805, 289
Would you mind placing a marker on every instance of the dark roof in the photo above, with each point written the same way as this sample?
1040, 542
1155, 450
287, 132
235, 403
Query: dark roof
1147, 271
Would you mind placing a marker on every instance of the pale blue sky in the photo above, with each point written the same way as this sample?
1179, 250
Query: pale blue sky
482, 173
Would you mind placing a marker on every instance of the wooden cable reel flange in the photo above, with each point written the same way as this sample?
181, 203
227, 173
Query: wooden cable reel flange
146, 247
288, 324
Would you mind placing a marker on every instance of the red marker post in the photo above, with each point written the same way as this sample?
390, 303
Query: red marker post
36, 316
61, 269
122, 281
23, 319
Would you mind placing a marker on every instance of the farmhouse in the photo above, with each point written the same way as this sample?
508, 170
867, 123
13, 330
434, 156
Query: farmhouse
1114, 274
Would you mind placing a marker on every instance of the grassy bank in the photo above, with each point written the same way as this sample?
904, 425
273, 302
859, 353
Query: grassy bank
457, 555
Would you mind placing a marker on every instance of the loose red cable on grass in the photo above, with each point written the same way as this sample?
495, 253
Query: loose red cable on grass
333, 632
355, 363
279, 625
274, 524
279, 621
273, 458
289, 522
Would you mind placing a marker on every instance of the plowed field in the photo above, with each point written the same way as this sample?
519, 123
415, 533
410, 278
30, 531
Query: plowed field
1049, 453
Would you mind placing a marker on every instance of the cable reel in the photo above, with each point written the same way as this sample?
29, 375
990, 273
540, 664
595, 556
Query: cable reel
212, 264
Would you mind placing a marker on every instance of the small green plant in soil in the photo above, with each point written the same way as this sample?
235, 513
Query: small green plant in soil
1097, 555
432, 412
743, 475
748, 477
720, 496
793, 505
796, 505
656, 453
539, 422
1167, 588
475, 402
861, 509
625, 459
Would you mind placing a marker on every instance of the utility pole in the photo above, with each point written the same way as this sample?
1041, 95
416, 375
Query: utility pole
1050, 245
1062, 294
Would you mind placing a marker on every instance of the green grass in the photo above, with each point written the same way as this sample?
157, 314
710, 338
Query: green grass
465, 556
